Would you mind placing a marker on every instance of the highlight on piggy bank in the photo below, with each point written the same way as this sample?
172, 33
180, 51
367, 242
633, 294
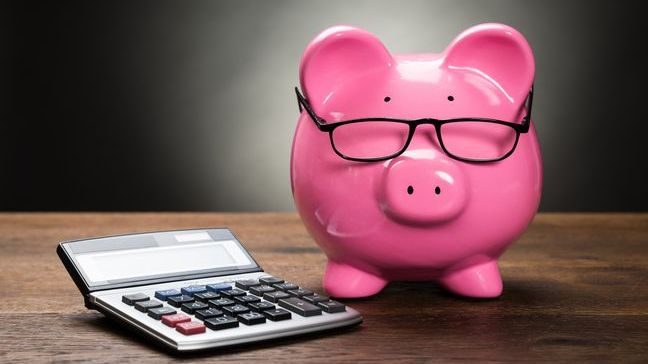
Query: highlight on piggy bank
416, 166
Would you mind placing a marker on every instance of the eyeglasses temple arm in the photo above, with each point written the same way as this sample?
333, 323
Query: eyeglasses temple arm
303, 104
526, 122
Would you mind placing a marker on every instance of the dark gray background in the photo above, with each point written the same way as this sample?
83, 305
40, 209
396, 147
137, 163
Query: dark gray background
173, 105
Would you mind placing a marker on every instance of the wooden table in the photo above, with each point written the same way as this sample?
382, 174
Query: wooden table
575, 289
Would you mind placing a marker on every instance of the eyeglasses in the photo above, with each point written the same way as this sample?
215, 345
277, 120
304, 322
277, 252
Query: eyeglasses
474, 140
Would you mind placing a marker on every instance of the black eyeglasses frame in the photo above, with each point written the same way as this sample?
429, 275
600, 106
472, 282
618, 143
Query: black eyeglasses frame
323, 126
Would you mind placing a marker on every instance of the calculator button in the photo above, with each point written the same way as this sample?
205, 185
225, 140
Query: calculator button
221, 302
286, 286
315, 298
232, 293
209, 313
164, 295
223, 322
144, 306
261, 306
300, 307
217, 287
178, 301
206, 296
246, 283
173, 320
247, 299
300, 292
130, 299
270, 280
260, 290
192, 307
278, 314
331, 306
252, 318
275, 296
192, 290
235, 310
190, 328
157, 313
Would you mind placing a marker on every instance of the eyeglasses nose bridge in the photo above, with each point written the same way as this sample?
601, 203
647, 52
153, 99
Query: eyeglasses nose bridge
427, 121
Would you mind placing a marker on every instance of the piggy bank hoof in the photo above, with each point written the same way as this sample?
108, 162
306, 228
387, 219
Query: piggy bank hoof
477, 281
344, 281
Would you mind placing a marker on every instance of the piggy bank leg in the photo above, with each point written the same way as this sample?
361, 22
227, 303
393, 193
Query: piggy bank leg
480, 281
344, 281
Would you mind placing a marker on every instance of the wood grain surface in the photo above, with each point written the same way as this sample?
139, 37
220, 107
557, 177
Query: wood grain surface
575, 289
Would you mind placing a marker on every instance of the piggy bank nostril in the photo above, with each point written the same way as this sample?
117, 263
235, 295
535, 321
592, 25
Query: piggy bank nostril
437, 190
410, 190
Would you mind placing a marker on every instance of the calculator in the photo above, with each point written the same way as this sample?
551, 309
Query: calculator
195, 289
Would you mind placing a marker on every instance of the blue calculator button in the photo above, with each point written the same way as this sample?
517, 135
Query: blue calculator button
192, 290
218, 287
164, 295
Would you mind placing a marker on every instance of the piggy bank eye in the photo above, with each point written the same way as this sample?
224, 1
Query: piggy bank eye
387, 99
450, 98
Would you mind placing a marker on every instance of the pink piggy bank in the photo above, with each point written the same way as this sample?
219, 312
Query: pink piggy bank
416, 166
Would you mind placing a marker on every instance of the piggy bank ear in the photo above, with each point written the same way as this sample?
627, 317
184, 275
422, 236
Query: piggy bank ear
497, 52
337, 55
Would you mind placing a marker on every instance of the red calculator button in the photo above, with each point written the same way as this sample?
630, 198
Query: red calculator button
190, 328
173, 320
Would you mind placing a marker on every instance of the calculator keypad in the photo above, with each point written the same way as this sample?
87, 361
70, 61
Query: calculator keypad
222, 306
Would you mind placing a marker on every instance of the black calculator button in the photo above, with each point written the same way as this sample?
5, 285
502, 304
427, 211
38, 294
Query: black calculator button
157, 313
221, 302
261, 306
252, 318
300, 292
130, 299
192, 290
144, 306
261, 290
206, 296
235, 310
331, 306
192, 307
275, 296
223, 322
217, 287
165, 294
232, 293
246, 283
315, 298
285, 286
207, 314
270, 280
247, 299
178, 301
278, 314
300, 306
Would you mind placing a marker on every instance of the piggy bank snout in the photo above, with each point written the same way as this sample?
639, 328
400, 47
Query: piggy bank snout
420, 191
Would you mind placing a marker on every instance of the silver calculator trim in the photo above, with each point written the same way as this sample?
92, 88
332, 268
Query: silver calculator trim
109, 302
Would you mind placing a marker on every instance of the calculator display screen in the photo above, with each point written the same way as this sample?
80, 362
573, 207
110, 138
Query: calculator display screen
148, 256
